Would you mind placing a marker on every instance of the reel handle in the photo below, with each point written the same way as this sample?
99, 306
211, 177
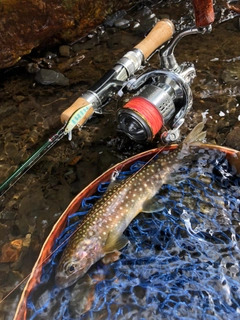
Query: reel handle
204, 12
161, 32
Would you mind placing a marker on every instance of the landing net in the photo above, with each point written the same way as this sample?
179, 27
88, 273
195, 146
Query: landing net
181, 263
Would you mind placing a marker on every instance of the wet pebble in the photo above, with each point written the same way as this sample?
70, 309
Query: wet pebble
11, 149
4, 270
18, 98
145, 13
33, 67
233, 139
51, 55
13, 152
15, 231
30, 204
111, 19
32, 138
232, 73
7, 110
4, 230
47, 77
11, 251
69, 63
65, 51
122, 23
237, 23
87, 45
8, 215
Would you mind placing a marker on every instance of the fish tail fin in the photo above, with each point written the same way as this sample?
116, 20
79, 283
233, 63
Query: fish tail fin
196, 135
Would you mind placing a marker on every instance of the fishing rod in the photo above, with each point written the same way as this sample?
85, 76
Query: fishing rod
93, 100
155, 98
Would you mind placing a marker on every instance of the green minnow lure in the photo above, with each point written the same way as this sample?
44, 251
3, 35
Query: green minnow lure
100, 234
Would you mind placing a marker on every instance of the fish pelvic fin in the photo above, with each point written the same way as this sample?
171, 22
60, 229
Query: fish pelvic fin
115, 242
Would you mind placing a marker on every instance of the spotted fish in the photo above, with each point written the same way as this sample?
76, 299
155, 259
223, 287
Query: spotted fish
100, 235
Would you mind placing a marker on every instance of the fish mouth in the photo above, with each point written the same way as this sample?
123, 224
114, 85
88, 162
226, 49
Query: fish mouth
62, 282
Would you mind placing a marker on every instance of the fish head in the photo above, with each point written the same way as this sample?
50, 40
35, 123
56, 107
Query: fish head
75, 262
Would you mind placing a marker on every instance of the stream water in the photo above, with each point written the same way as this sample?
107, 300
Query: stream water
30, 114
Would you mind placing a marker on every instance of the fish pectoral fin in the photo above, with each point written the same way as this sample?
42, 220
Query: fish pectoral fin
152, 205
111, 257
115, 242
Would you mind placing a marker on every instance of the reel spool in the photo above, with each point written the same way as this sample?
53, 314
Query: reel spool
143, 116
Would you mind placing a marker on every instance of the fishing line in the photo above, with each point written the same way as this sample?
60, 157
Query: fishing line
148, 112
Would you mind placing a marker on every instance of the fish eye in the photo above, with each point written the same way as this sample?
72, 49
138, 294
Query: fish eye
70, 268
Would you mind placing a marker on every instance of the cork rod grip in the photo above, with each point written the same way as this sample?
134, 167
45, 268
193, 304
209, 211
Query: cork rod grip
79, 103
161, 32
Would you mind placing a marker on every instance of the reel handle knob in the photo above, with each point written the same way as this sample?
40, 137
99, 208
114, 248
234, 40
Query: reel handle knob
161, 32
204, 12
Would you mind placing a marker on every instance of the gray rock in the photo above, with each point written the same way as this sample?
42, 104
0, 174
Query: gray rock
46, 77
110, 20
122, 23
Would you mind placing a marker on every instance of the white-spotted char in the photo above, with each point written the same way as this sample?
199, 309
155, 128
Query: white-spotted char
100, 234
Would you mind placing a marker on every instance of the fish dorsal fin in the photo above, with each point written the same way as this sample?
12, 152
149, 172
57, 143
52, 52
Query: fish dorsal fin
115, 242
113, 184
152, 205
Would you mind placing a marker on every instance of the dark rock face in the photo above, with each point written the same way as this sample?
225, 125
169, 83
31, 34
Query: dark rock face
26, 24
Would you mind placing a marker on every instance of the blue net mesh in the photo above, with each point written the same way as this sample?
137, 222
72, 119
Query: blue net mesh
182, 262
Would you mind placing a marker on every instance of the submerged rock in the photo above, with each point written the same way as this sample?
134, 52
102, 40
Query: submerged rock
65, 51
24, 27
233, 139
46, 77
